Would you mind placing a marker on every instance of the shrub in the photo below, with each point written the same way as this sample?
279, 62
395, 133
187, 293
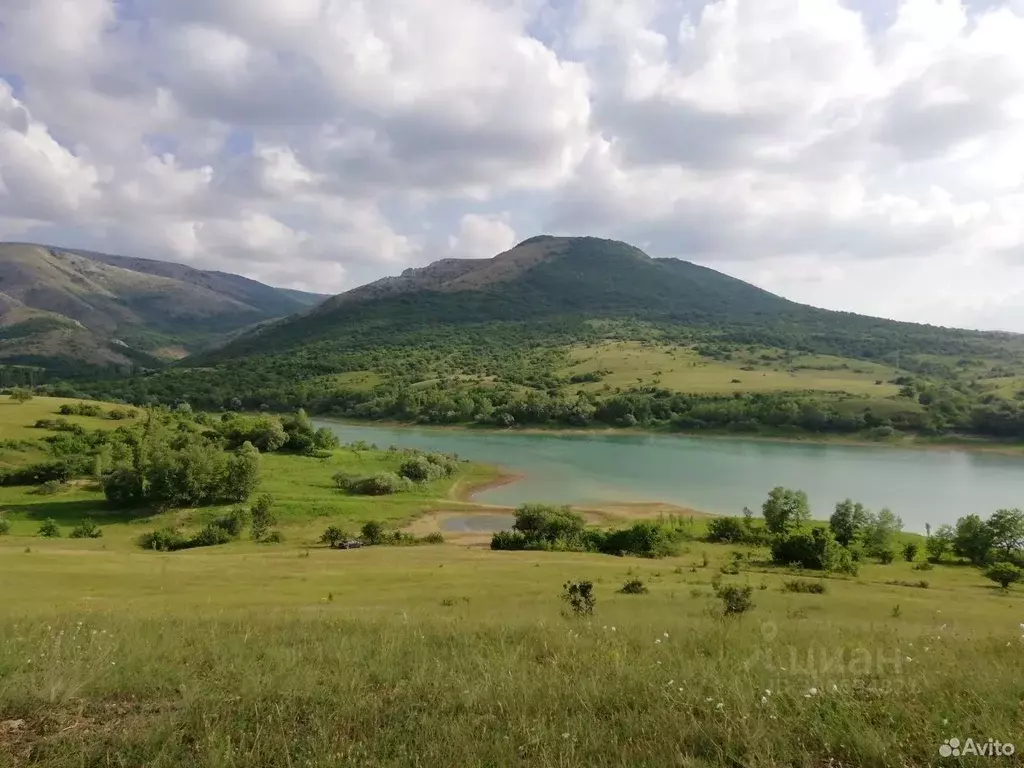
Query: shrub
273, 537
634, 587
373, 532
804, 586
233, 523
50, 488
885, 556
726, 530
735, 599
333, 536
925, 566
381, 484
433, 538
917, 584
508, 540
644, 539
21, 394
427, 467
86, 530
579, 596
5, 526
49, 529
1005, 574
164, 540
124, 488
910, 552
211, 536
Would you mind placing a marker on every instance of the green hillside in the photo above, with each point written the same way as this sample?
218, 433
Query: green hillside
75, 313
505, 341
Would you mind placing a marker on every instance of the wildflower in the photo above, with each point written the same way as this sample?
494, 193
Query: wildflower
613, 629
719, 706
811, 692
767, 691
945, 721
708, 699
835, 687
680, 690
658, 663
565, 735
909, 659
764, 699
666, 633
670, 682
657, 641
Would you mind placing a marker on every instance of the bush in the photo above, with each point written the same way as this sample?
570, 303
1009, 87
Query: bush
433, 538
508, 540
910, 552
925, 566
380, 484
643, 539
333, 536
885, 556
427, 467
124, 488
726, 530
49, 488
273, 537
5, 526
579, 595
373, 532
233, 523
817, 550
211, 536
804, 586
49, 529
262, 516
86, 530
634, 587
164, 540
1005, 574
735, 599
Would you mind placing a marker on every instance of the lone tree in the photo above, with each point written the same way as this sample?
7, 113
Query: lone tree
21, 395
847, 521
785, 510
1006, 531
1005, 574
333, 536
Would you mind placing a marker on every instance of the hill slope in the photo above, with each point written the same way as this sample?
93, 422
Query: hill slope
66, 310
575, 331
566, 280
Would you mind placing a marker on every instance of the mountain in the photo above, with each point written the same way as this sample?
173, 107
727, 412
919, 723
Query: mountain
548, 281
70, 311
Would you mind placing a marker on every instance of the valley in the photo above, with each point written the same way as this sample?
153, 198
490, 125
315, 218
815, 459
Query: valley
276, 649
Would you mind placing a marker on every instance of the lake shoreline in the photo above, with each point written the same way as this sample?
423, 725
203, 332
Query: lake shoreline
909, 443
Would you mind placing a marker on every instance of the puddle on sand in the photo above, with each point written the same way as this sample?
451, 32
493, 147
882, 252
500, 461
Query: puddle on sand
478, 523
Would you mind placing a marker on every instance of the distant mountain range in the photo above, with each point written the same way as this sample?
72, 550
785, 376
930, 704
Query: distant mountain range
72, 311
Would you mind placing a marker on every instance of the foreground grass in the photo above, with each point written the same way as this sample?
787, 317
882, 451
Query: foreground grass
446, 656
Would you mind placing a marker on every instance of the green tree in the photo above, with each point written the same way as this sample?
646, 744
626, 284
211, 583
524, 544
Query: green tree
785, 510
1005, 574
940, 543
910, 552
262, 516
49, 529
879, 532
242, 475
846, 522
973, 540
333, 536
373, 532
21, 395
1006, 531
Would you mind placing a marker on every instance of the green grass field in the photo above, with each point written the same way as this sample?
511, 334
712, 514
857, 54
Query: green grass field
682, 369
453, 655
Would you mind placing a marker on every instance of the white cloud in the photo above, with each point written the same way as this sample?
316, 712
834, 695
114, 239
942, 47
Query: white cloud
481, 237
857, 156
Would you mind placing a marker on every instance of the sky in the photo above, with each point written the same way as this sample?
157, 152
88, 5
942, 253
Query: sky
862, 155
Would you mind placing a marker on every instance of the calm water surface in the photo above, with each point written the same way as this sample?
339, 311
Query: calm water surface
723, 475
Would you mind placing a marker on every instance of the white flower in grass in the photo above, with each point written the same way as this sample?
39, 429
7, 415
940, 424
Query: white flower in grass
764, 699
709, 699
909, 659
767, 691
665, 634
811, 692
719, 706
565, 735
670, 682
657, 641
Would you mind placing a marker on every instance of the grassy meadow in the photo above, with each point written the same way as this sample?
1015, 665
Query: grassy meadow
293, 654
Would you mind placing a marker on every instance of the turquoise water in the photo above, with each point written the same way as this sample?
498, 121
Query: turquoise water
723, 475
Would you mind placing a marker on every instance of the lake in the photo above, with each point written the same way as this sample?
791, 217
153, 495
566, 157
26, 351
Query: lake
722, 475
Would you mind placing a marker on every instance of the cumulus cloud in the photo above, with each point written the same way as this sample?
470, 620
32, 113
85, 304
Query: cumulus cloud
867, 157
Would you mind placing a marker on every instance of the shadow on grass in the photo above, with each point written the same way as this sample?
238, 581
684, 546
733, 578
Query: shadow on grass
73, 512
